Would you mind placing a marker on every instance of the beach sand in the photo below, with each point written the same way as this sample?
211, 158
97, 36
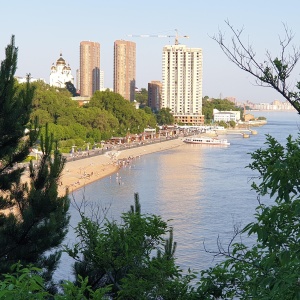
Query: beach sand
82, 172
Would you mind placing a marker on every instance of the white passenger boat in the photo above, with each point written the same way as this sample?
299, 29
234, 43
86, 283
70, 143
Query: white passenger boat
206, 141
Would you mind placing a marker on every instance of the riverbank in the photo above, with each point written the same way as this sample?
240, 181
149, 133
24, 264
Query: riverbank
81, 172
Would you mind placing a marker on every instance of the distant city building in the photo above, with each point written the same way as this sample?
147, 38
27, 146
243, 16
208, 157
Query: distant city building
78, 79
182, 83
89, 68
154, 95
125, 68
226, 116
60, 73
231, 99
275, 105
102, 88
81, 100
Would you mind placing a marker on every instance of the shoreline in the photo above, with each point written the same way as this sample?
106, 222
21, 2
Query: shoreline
80, 173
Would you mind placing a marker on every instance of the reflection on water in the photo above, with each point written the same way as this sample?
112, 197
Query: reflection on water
203, 191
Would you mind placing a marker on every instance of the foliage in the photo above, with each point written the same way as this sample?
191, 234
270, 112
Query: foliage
261, 118
71, 88
142, 96
23, 283
108, 114
270, 268
164, 117
232, 124
14, 118
121, 255
223, 123
26, 283
129, 118
37, 211
208, 105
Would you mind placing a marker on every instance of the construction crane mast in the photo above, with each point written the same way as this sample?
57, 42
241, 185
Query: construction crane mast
177, 36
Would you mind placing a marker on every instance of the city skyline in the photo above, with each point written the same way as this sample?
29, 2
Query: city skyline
40, 36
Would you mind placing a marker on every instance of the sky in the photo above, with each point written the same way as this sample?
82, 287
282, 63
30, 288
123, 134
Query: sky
44, 29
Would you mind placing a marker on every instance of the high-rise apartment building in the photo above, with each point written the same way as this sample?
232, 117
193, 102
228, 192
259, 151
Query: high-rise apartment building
89, 68
125, 68
78, 79
154, 95
182, 83
102, 80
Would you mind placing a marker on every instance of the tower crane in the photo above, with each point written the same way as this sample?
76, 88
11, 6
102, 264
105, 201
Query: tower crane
176, 36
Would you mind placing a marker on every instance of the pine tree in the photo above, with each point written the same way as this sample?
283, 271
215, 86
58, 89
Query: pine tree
37, 224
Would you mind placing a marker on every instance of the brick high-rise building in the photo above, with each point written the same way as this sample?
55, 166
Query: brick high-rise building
154, 95
89, 68
125, 68
182, 83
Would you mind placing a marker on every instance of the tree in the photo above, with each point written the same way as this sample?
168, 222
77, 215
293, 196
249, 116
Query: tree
129, 118
270, 268
142, 96
272, 72
164, 117
71, 88
32, 232
25, 283
123, 256
220, 104
232, 124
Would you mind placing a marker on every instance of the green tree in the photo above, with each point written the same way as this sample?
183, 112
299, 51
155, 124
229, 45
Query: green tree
129, 118
208, 105
25, 283
123, 256
223, 123
164, 117
34, 230
71, 88
142, 96
232, 124
207, 110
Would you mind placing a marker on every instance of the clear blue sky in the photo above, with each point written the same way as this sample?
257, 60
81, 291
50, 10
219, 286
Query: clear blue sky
43, 29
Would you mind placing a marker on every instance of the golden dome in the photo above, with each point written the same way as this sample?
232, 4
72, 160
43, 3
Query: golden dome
60, 61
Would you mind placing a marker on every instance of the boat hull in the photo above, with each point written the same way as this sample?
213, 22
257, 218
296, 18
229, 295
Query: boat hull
206, 141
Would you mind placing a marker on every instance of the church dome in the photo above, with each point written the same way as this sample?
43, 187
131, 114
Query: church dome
53, 67
60, 61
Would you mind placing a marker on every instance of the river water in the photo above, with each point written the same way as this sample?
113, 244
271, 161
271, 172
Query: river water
203, 191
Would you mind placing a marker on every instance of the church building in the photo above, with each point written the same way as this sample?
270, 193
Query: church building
60, 73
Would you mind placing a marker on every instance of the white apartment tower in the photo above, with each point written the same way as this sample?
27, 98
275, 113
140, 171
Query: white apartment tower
182, 83
102, 80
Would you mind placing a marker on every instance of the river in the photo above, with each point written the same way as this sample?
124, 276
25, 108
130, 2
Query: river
203, 191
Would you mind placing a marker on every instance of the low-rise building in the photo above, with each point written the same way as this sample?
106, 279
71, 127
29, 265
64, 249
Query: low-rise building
226, 116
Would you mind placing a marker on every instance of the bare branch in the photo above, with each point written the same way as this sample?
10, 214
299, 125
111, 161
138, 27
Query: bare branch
273, 71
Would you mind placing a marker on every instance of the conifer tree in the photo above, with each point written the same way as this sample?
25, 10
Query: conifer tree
37, 223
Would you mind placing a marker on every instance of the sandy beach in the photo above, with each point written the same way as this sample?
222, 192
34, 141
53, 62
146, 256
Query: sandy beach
82, 172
